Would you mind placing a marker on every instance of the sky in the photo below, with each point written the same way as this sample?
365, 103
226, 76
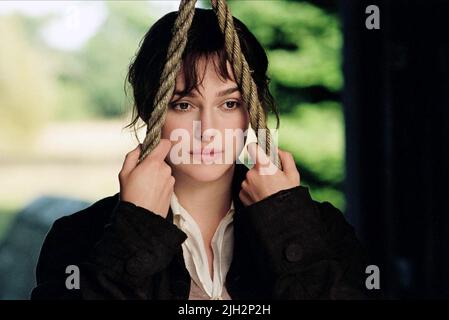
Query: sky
75, 21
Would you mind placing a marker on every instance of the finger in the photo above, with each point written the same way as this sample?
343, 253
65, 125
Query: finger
258, 156
245, 198
131, 160
244, 185
287, 161
169, 186
245, 188
161, 150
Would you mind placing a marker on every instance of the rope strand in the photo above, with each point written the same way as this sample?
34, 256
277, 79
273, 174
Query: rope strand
169, 73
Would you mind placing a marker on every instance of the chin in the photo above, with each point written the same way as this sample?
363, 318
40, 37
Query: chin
204, 172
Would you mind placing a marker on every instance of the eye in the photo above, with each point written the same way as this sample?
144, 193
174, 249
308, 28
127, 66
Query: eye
231, 105
180, 106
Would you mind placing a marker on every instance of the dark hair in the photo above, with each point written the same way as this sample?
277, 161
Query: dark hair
204, 40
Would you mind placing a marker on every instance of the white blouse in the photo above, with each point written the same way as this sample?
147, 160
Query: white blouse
195, 255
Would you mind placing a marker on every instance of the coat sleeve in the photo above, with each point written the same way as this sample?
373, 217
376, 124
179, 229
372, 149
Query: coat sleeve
308, 248
136, 244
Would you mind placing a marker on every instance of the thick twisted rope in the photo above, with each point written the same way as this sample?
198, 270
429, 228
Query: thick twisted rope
168, 76
242, 75
240, 66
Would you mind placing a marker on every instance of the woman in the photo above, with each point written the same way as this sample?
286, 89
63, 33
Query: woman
205, 229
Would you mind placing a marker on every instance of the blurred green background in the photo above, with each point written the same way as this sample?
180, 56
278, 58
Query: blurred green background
63, 106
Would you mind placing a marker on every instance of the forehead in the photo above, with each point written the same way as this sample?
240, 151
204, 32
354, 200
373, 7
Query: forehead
204, 72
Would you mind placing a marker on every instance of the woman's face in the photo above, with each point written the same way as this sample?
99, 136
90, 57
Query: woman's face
207, 126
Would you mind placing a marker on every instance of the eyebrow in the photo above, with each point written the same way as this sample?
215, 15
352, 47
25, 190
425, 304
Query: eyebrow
219, 94
227, 91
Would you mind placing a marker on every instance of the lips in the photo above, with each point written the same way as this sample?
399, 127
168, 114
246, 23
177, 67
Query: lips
206, 152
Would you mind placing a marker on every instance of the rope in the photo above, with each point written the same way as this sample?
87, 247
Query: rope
242, 74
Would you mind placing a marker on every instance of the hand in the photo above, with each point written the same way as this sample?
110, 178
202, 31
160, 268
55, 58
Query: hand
265, 179
148, 184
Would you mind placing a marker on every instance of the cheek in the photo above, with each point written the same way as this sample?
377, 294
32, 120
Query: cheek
244, 118
172, 123
238, 120
238, 123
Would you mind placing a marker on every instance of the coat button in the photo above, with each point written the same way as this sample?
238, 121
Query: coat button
293, 252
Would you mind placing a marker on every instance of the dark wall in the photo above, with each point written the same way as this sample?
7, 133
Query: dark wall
396, 103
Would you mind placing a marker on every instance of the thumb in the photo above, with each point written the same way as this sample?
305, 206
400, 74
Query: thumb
131, 160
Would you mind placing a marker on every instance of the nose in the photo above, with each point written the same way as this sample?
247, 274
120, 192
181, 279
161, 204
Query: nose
208, 126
